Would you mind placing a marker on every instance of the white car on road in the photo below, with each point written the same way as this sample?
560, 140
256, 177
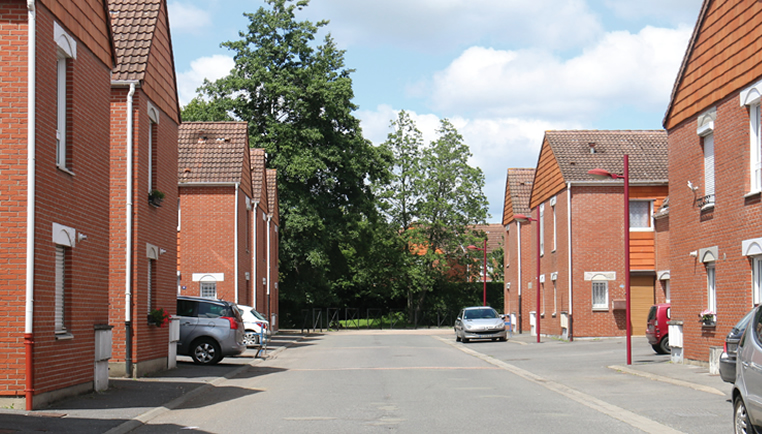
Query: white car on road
255, 325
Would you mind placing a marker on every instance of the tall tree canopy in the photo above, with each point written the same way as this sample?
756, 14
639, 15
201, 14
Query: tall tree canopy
297, 95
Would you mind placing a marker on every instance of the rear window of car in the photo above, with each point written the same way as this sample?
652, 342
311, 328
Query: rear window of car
652, 313
213, 310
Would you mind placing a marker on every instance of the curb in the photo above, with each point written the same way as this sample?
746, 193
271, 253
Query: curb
146, 417
673, 381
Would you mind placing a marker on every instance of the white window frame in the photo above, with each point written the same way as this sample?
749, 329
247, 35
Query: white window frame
756, 279
67, 49
553, 212
153, 116
542, 229
711, 287
60, 290
649, 215
605, 289
667, 295
208, 287
755, 148
149, 285
709, 179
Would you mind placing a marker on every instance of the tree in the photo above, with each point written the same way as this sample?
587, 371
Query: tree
435, 198
297, 97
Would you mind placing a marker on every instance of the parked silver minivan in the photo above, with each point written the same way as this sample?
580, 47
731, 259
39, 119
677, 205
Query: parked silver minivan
747, 389
209, 329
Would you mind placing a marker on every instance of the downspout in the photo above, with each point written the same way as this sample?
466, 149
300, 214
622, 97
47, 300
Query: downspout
30, 201
518, 232
129, 217
569, 241
254, 207
235, 242
269, 218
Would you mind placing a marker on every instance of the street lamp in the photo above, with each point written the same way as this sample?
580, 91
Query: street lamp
525, 219
604, 174
472, 247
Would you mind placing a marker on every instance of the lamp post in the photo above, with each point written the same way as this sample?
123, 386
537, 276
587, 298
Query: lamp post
472, 247
604, 174
524, 219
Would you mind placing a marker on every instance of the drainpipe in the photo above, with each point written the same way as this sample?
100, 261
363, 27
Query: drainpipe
128, 262
518, 232
269, 218
569, 241
30, 202
235, 242
254, 205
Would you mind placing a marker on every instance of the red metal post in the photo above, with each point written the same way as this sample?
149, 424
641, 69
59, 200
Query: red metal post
485, 272
627, 255
29, 388
537, 314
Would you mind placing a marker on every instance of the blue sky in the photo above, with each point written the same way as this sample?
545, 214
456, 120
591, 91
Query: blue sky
503, 71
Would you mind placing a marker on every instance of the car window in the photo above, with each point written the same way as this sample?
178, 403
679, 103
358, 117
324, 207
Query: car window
740, 325
480, 314
757, 326
211, 310
186, 307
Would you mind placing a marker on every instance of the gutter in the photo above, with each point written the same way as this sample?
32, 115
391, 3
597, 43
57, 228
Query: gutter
269, 219
129, 231
235, 241
254, 207
569, 267
30, 202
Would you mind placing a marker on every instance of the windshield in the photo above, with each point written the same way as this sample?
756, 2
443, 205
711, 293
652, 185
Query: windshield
741, 325
479, 314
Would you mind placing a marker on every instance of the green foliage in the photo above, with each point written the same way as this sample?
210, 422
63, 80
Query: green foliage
297, 98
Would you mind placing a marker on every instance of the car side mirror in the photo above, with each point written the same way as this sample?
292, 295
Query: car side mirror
458, 319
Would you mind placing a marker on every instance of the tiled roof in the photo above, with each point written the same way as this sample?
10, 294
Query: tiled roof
495, 235
211, 152
647, 152
133, 23
520, 185
272, 194
257, 166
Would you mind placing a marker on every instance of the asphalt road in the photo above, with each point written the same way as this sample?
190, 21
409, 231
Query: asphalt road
425, 382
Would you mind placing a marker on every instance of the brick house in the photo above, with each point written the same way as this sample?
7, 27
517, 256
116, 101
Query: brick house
519, 238
145, 115
581, 223
259, 230
715, 159
215, 211
54, 181
273, 245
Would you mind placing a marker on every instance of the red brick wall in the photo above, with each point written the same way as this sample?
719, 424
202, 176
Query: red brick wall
207, 239
154, 225
79, 201
528, 272
733, 219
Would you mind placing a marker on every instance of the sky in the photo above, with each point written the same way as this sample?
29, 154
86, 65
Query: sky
502, 71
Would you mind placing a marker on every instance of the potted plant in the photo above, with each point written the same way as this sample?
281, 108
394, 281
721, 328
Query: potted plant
158, 317
155, 197
707, 317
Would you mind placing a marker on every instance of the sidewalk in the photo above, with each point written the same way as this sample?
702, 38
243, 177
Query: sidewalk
128, 403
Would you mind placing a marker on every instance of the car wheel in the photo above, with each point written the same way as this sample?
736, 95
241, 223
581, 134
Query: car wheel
205, 352
503, 339
664, 345
457, 338
741, 418
465, 341
250, 338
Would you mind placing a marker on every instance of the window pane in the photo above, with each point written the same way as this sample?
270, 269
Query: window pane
600, 296
640, 214
60, 282
209, 289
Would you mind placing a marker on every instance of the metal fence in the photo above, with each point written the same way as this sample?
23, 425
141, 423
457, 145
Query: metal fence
326, 319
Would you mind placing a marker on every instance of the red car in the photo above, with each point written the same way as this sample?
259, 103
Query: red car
656, 330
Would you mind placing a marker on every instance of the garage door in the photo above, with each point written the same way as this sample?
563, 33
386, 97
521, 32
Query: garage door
641, 300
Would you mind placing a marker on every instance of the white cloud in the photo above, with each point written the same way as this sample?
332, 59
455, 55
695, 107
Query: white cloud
186, 18
439, 25
210, 68
622, 69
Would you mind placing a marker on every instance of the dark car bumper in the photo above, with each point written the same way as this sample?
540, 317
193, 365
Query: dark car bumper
728, 368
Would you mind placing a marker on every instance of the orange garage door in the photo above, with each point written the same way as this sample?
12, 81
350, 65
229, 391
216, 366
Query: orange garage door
641, 300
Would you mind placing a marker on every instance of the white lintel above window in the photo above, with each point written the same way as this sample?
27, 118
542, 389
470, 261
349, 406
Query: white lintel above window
708, 254
208, 277
751, 247
542, 278
751, 95
152, 252
705, 122
662, 275
153, 113
554, 276
600, 275
66, 43
64, 235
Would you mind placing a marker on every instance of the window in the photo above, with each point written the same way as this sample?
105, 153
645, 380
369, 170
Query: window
542, 229
600, 294
153, 152
209, 289
555, 298
709, 169
666, 291
60, 283
755, 151
640, 214
151, 284
553, 210
756, 279
711, 289
67, 51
